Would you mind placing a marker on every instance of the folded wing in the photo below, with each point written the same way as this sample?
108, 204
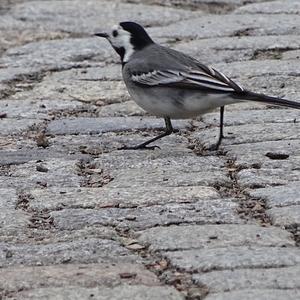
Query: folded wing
203, 79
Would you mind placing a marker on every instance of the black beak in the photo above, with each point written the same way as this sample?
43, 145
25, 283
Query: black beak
103, 35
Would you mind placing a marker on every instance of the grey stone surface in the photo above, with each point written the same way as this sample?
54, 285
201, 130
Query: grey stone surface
11, 220
182, 160
36, 109
260, 68
102, 125
293, 54
110, 142
285, 216
23, 154
90, 250
271, 7
261, 116
211, 236
251, 154
239, 48
221, 211
128, 108
79, 85
167, 176
80, 219
231, 280
205, 260
61, 173
50, 55
255, 178
17, 126
242, 134
265, 294
80, 275
78, 17
55, 199
279, 196
122, 292
213, 26
199, 3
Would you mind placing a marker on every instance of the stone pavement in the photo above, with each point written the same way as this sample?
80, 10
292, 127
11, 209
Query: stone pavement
82, 220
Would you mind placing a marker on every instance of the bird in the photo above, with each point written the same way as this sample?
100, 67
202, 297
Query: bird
173, 85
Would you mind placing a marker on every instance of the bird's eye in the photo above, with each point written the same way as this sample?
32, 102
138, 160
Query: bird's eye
115, 33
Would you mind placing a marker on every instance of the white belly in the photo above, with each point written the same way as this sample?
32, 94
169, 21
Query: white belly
177, 104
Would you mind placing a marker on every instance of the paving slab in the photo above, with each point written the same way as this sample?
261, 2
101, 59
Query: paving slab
91, 250
168, 176
279, 196
212, 236
237, 48
199, 3
271, 7
78, 275
293, 54
128, 108
260, 178
213, 26
264, 294
110, 142
241, 134
227, 258
122, 292
261, 68
49, 172
34, 232
11, 220
37, 109
219, 211
65, 84
279, 154
254, 133
182, 159
13, 126
52, 55
54, 199
26, 154
271, 84
102, 125
234, 280
77, 17
285, 216
261, 116
54, 88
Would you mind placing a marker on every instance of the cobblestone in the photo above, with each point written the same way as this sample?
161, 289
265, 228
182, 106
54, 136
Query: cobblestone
220, 281
80, 219
211, 236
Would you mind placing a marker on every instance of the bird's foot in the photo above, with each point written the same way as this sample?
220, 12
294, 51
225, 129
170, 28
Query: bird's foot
139, 147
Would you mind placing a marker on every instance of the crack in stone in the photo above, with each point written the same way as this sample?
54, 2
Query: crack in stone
165, 272
92, 176
249, 208
275, 53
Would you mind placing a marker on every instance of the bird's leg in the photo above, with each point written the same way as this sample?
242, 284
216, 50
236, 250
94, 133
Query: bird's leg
221, 135
168, 131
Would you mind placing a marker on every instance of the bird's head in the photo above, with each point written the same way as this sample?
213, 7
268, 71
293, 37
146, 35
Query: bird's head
126, 38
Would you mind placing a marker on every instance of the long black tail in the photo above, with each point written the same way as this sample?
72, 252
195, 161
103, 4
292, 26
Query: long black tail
247, 95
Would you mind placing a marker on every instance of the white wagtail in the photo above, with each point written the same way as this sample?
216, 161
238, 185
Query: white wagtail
173, 85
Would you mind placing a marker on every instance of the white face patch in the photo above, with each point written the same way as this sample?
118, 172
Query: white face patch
120, 38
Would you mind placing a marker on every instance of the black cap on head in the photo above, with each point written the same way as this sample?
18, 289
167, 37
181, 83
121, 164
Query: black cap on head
139, 36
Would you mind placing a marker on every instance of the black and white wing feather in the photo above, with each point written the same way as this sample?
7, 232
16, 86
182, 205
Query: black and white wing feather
205, 78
